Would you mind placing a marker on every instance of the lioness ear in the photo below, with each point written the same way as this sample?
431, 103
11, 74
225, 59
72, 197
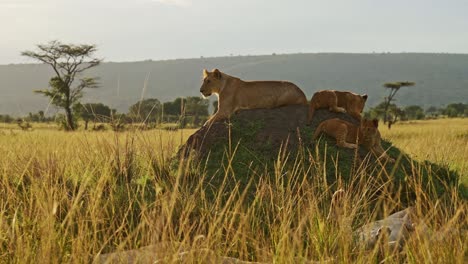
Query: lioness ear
217, 74
375, 122
364, 96
205, 73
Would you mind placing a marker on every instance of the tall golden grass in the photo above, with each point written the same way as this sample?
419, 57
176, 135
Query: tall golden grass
443, 141
67, 197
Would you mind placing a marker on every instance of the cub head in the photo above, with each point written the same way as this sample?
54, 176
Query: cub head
212, 82
361, 102
370, 127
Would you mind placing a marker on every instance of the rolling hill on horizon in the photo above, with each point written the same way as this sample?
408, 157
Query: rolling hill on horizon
440, 78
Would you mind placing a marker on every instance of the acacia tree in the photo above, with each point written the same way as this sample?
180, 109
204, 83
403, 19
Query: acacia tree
68, 61
414, 112
393, 87
97, 112
456, 109
192, 106
146, 110
196, 106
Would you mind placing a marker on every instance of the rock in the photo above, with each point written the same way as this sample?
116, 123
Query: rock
156, 254
148, 254
151, 255
394, 230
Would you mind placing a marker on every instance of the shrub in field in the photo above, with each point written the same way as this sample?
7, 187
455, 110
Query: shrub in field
25, 126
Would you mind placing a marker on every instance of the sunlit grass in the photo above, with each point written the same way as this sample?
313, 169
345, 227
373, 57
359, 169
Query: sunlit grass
68, 196
443, 141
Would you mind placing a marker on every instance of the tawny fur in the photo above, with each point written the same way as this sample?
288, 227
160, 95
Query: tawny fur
235, 94
348, 135
337, 101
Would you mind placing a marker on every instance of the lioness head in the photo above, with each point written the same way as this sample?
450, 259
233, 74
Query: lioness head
212, 82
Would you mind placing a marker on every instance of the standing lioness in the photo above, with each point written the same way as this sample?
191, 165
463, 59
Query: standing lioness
235, 94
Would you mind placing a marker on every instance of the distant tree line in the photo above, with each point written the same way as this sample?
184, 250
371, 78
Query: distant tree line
148, 113
193, 111
393, 113
31, 117
184, 110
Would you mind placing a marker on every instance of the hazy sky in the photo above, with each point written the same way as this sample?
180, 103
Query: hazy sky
127, 30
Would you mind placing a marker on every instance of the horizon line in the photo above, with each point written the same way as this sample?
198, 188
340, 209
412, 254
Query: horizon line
261, 55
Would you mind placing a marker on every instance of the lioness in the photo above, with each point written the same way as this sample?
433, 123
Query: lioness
337, 101
350, 136
235, 94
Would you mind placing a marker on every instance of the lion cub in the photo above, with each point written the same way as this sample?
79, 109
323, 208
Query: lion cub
337, 101
350, 136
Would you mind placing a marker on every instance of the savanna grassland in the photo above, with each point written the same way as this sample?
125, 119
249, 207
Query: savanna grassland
443, 141
65, 197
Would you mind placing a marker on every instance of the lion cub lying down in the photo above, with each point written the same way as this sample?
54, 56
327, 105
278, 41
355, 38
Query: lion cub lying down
350, 136
339, 102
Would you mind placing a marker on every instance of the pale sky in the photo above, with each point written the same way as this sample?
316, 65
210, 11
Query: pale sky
128, 30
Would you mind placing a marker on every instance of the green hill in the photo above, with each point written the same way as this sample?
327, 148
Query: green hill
440, 78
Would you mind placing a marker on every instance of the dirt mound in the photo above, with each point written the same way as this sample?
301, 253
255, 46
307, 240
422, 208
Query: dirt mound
253, 140
272, 127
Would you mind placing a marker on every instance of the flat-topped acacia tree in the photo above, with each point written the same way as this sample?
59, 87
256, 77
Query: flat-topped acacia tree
68, 61
394, 87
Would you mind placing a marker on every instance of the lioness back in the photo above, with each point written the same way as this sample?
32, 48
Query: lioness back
268, 94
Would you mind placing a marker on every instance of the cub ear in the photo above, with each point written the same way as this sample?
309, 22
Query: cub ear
375, 122
364, 96
217, 74
205, 73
